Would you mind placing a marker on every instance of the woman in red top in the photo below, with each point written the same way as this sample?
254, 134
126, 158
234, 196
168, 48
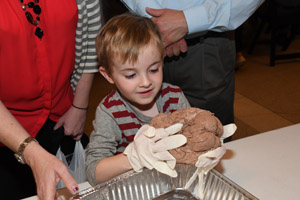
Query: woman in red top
37, 60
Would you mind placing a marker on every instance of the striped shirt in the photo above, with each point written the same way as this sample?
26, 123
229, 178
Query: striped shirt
88, 26
117, 122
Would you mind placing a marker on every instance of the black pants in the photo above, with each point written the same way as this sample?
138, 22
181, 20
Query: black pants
17, 180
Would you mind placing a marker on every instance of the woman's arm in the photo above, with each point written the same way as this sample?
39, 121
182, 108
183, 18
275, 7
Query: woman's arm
47, 169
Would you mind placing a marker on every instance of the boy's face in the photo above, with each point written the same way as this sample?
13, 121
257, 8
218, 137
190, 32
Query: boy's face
139, 83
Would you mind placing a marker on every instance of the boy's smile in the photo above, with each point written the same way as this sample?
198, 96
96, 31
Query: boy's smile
146, 93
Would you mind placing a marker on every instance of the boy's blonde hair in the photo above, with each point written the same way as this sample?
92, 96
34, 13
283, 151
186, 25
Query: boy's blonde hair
123, 37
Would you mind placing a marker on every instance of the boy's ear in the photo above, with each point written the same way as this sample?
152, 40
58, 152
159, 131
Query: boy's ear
106, 75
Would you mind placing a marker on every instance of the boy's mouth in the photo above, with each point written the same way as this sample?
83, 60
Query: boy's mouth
146, 92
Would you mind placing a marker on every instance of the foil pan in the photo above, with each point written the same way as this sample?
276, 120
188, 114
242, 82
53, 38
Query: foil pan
152, 185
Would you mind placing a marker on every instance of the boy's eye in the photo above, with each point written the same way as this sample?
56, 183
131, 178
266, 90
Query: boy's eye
154, 70
130, 76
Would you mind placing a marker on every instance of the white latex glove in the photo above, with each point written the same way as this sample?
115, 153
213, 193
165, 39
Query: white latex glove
209, 160
228, 130
150, 149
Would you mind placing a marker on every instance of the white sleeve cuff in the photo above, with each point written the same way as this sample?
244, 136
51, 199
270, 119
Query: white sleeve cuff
139, 7
196, 18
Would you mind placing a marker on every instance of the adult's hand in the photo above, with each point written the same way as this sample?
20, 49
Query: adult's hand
47, 171
176, 48
73, 121
171, 23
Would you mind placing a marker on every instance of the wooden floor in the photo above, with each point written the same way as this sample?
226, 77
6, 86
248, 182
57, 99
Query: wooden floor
266, 98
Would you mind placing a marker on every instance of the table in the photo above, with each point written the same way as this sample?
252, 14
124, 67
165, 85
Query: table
267, 165
64, 192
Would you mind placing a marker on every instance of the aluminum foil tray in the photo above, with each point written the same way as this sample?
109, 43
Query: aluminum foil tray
152, 185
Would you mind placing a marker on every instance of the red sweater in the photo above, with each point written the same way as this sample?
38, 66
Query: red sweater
34, 73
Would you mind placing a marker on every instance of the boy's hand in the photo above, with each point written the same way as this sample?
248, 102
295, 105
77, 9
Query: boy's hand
209, 160
205, 163
150, 148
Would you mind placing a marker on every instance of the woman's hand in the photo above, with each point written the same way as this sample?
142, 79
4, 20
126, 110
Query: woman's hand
73, 121
46, 168
47, 171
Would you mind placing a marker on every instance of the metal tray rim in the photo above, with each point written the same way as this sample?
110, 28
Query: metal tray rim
82, 194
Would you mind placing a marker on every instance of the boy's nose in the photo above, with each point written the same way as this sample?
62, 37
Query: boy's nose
145, 81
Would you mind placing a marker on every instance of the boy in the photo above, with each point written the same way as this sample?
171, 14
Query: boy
131, 54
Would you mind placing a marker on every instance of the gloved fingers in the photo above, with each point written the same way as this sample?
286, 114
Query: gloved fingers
207, 165
171, 163
163, 156
171, 130
149, 132
213, 164
150, 158
164, 168
201, 184
159, 134
228, 130
137, 159
211, 157
146, 130
192, 178
170, 142
218, 152
147, 158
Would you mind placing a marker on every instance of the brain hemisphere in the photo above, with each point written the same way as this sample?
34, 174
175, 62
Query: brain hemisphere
202, 129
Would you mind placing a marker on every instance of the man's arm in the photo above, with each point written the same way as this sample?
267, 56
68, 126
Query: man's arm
171, 23
219, 16
193, 17
203, 15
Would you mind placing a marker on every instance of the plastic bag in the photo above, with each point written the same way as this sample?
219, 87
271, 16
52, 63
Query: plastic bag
76, 166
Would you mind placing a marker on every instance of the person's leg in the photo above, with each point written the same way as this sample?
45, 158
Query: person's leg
17, 181
51, 139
